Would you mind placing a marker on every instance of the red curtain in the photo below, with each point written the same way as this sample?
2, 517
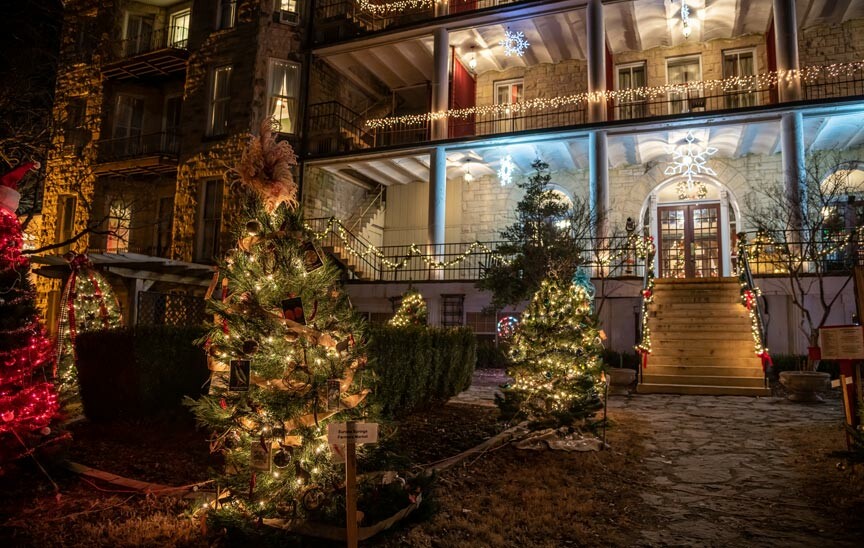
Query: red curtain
771, 48
457, 6
463, 94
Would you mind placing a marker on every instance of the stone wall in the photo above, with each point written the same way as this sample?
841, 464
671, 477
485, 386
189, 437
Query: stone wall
326, 195
825, 44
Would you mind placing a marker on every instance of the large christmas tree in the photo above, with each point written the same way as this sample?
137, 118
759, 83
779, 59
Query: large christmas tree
556, 358
286, 354
28, 402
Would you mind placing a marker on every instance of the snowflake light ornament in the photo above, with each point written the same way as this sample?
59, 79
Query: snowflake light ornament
514, 43
505, 170
690, 160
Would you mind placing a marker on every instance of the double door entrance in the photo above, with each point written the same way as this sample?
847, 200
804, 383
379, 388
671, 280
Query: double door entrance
689, 243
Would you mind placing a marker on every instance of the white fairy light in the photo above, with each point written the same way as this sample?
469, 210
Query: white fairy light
514, 43
505, 170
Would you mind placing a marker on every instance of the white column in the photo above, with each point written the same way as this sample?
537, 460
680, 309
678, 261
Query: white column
437, 199
598, 182
441, 7
786, 41
654, 230
440, 80
792, 152
596, 60
725, 237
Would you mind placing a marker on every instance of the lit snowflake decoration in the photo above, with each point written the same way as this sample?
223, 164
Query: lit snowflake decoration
507, 326
690, 160
514, 43
505, 171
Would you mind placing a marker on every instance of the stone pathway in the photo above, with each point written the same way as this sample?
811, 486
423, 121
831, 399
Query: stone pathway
718, 470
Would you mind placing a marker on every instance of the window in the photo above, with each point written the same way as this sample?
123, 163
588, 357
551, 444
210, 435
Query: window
288, 11
210, 220
508, 93
452, 313
739, 63
681, 71
227, 14
119, 223
128, 121
220, 97
65, 220
171, 123
284, 79
178, 32
138, 35
631, 76
481, 322
75, 133
164, 225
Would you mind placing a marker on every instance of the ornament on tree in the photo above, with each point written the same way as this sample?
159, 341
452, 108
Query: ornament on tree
507, 327
412, 310
266, 168
556, 358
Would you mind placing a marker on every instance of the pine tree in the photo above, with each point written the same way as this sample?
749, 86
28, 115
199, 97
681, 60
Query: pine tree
88, 304
286, 353
28, 402
545, 240
556, 358
412, 311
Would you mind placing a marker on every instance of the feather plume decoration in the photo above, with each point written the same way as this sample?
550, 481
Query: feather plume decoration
265, 168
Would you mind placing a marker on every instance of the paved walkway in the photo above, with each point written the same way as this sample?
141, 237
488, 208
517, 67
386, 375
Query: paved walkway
719, 470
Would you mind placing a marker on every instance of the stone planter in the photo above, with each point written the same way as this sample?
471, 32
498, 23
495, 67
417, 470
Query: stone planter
804, 386
621, 381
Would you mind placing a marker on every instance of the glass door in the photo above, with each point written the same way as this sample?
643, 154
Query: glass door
684, 70
508, 93
689, 242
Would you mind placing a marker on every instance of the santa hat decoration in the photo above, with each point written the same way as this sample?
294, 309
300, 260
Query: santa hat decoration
9, 195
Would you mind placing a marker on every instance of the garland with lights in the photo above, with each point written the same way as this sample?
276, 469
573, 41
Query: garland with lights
28, 401
646, 251
749, 298
88, 304
412, 311
556, 359
394, 8
736, 84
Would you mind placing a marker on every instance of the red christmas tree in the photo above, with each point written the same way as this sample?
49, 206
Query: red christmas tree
28, 401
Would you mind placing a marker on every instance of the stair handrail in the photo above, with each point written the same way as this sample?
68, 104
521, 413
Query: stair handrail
750, 294
335, 233
377, 200
646, 250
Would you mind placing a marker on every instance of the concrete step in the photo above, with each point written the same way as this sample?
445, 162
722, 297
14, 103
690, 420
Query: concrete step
701, 390
706, 380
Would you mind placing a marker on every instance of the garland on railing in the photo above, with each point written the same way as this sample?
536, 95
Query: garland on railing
749, 296
733, 84
647, 252
393, 8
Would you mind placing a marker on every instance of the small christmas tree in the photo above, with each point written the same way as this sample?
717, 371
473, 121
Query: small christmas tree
28, 402
286, 354
88, 304
556, 357
412, 310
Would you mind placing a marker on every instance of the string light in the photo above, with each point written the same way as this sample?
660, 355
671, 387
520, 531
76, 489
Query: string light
505, 170
398, 7
736, 84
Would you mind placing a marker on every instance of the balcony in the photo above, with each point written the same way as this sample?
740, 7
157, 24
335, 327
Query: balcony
148, 154
337, 20
728, 96
150, 54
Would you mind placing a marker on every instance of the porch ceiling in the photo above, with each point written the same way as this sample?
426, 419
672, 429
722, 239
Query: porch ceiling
837, 132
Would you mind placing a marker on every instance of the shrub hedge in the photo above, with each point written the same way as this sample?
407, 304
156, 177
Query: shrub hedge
139, 372
417, 367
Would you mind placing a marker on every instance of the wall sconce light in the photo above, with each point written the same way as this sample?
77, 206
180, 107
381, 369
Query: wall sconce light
467, 177
472, 61
685, 20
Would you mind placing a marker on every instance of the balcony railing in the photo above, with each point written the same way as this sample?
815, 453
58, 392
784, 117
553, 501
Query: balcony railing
826, 253
154, 53
163, 143
144, 42
333, 127
343, 19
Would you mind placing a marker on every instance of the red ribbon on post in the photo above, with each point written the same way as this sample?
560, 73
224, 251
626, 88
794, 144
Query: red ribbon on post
748, 299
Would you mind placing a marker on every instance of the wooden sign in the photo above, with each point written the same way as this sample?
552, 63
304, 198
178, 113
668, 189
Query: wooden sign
343, 433
844, 342
292, 309
238, 381
260, 456
311, 258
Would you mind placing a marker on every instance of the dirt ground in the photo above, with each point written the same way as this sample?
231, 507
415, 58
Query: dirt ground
680, 471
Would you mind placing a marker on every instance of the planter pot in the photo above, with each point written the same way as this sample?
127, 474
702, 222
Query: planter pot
804, 386
621, 381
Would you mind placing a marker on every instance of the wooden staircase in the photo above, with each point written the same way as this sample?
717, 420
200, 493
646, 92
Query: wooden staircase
364, 215
701, 341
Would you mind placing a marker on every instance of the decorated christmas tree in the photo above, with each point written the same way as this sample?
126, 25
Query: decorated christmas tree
556, 358
285, 351
412, 310
88, 304
28, 402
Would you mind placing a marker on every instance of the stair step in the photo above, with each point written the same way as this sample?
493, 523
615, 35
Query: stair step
699, 324
693, 337
708, 357
697, 299
704, 380
701, 390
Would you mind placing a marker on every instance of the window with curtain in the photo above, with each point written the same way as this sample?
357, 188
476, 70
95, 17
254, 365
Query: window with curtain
684, 70
119, 224
227, 13
739, 64
508, 93
220, 97
631, 76
288, 11
179, 32
284, 88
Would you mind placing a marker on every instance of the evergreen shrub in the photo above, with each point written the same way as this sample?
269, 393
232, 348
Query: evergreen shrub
416, 367
139, 372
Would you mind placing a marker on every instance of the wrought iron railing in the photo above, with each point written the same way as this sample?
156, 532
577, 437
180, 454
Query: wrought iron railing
162, 143
333, 127
173, 37
750, 295
777, 253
